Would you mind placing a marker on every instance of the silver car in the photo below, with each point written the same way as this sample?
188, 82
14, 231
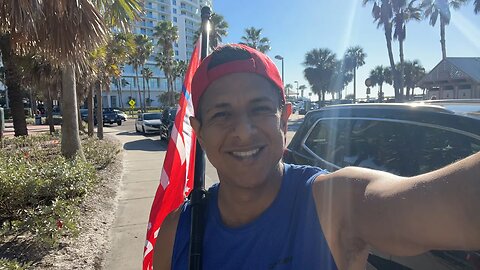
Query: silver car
148, 123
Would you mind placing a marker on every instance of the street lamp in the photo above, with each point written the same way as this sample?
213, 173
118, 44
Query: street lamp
279, 57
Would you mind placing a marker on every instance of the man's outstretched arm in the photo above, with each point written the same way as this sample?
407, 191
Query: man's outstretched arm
407, 216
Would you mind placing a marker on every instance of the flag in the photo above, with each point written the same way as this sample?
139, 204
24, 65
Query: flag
176, 180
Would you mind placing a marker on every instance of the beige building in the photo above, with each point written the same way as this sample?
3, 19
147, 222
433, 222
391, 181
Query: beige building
453, 78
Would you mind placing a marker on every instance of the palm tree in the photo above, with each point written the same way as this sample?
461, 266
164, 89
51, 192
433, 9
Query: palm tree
433, 8
51, 27
62, 31
402, 14
302, 89
382, 13
414, 71
476, 5
320, 65
354, 58
143, 50
288, 88
166, 33
379, 75
178, 71
342, 77
120, 48
254, 40
218, 30
147, 74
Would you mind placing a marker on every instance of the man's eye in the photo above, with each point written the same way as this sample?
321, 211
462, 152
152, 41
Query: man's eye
262, 109
219, 115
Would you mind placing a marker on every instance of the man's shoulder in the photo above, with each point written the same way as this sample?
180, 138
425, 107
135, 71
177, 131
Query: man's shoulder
303, 169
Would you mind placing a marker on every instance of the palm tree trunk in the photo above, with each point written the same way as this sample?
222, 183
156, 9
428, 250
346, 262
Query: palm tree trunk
99, 111
138, 88
149, 97
119, 90
402, 72
144, 95
71, 146
49, 109
91, 120
388, 39
381, 92
354, 84
12, 81
442, 38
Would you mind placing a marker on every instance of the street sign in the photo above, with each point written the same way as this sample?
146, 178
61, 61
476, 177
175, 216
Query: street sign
368, 82
132, 103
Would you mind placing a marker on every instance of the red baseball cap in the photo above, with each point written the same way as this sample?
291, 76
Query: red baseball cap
258, 63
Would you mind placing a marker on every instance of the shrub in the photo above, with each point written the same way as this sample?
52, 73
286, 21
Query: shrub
6, 264
99, 153
40, 190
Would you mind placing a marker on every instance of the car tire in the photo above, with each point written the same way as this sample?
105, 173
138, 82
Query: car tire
119, 123
136, 129
143, 130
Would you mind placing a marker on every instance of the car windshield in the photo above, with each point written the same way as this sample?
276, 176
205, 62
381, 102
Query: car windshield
152, 116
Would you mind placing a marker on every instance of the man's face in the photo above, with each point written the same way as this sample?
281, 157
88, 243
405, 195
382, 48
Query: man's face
242, 129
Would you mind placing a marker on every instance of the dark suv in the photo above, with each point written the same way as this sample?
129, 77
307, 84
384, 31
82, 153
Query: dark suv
168, 120
402, 139
110, 116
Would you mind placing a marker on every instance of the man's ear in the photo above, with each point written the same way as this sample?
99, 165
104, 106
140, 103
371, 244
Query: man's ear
286, 112
196, 125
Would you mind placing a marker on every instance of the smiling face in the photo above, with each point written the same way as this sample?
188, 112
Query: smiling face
242, 129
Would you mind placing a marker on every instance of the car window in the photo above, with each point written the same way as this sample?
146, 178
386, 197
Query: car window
152, 116
400, 147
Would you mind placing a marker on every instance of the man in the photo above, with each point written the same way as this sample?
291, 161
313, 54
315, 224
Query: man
265, 214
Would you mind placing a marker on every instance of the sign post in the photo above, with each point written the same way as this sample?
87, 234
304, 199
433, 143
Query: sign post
132, 106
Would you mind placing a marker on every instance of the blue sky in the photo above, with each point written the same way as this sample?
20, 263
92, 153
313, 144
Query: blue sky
295, 27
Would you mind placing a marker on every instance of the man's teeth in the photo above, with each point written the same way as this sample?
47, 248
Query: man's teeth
246, 154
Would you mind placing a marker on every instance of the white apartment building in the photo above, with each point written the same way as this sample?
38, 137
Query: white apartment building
185, 14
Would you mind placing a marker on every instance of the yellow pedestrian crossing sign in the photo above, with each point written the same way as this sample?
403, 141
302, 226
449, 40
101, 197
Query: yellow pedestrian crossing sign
132, 103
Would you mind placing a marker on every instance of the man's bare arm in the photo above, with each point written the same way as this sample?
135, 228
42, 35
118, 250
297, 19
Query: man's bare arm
163, 250
407, 216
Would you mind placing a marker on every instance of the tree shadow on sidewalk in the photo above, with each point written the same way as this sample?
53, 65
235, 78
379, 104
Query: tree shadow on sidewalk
146, 145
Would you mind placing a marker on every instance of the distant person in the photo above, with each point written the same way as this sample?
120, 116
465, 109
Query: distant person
266, 214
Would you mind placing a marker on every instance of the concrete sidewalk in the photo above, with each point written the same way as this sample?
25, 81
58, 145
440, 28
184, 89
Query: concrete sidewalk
32, 129
143, 158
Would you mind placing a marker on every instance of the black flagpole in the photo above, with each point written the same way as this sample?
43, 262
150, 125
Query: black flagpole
198, 192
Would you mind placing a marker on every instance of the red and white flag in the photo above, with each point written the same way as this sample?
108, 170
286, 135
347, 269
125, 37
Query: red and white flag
176, 180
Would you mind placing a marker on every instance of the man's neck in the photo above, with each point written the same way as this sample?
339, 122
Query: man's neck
239, 206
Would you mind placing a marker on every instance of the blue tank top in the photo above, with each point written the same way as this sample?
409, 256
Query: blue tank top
287, 235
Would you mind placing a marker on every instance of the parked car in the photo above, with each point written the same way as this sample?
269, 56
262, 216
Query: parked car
469, 107
168, 120
84, 114
121, 114
403, 139
148, 123
111, 116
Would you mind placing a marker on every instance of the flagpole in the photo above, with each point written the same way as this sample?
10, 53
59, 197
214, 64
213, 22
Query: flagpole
198, 192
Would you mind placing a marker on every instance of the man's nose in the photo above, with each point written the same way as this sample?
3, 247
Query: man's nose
243, 127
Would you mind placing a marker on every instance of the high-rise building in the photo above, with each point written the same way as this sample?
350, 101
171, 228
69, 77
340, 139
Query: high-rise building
185, 14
